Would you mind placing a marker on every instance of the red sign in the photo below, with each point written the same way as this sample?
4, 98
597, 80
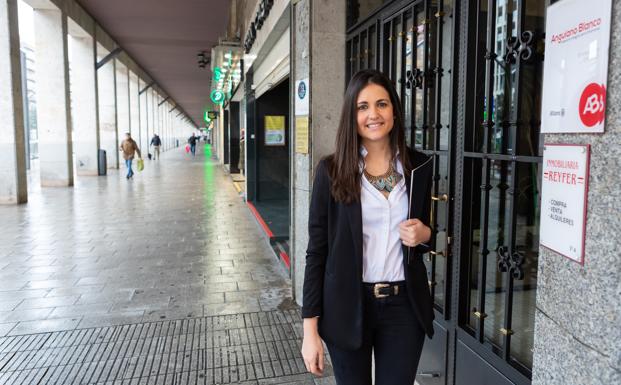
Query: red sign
592, 104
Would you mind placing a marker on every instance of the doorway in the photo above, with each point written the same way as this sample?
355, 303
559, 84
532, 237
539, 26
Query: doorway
469, 76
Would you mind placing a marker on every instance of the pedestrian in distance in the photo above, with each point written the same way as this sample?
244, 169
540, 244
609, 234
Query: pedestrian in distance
129, 149
156, 142
192, 141
365, 283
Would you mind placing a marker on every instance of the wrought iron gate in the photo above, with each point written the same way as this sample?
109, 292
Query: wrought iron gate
469, 76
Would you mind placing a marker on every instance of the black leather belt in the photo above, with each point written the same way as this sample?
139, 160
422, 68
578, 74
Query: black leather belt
385, 289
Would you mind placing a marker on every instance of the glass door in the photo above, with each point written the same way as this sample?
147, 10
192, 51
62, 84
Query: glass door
469, 75
417, 53
501, 156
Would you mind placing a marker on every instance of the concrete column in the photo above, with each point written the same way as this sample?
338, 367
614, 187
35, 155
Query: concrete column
106, 83
160, 115
168, 139
13, 187
578, 309
173, 128
84, 107
134, 110
163, 113
153, 111
220, 142
310, 60
171, 139
175, 124
156, 127
149, 111
160, 120
142, 104
148, 120
164, 134
155, 124
164, 126
53, 105
122, 102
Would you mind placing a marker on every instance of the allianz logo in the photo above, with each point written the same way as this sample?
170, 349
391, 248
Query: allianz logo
560, 112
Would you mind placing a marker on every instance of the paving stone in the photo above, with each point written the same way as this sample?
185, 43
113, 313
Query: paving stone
43, 326
112, 318
47, 302
25, 315
5, 328
227, 308
106, 296
49, 284
80, 310
172, 242
9, 304
76, 290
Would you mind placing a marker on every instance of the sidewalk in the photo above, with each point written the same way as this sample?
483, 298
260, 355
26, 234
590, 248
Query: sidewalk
165, 278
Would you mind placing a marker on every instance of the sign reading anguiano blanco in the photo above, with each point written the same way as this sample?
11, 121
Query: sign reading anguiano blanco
564, 199
576, 66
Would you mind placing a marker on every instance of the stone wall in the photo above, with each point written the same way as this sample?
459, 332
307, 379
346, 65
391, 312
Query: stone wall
577, 334
315, 26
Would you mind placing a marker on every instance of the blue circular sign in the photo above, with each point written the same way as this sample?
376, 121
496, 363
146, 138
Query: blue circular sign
302, 90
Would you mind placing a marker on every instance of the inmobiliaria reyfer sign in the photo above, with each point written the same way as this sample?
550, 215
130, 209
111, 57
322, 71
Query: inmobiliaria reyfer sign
564, 192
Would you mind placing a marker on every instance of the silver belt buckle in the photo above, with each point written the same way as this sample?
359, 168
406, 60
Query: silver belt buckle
376, 289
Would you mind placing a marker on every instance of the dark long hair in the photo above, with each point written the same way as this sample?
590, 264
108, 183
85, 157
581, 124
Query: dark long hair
344, 164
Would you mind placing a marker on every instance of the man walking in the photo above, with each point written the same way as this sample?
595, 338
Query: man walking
156, 142
192, 142
129, 148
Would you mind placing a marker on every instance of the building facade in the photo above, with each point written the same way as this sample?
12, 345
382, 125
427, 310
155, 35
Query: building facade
470, 78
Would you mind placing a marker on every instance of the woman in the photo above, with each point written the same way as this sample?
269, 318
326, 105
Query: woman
365, 285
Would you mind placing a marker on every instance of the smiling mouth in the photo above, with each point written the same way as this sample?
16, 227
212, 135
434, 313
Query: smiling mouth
374, 125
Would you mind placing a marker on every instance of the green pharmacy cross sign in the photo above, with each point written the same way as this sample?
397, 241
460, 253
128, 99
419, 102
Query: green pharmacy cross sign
217, 96
217, 73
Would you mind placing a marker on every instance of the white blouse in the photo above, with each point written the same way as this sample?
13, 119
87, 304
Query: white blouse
382, 254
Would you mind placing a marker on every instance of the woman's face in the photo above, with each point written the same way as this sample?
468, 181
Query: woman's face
374, 113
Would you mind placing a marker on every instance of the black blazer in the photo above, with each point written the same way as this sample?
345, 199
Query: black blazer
333, 278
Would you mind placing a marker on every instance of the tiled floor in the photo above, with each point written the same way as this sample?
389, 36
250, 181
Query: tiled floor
249, 348
176, 242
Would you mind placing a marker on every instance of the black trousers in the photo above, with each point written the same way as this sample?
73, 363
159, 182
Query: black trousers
393, 334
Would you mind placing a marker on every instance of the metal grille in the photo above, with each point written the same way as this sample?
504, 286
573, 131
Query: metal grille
211, 350
412, 45
502, 155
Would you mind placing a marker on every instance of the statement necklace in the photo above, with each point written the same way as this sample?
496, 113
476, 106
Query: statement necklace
387, 181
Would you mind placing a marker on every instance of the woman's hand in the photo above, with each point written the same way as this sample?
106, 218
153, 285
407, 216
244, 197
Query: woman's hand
413, 232
312, 347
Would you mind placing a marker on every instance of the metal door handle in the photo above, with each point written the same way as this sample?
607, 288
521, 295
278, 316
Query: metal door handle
442, 198
428, 374
434, 254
